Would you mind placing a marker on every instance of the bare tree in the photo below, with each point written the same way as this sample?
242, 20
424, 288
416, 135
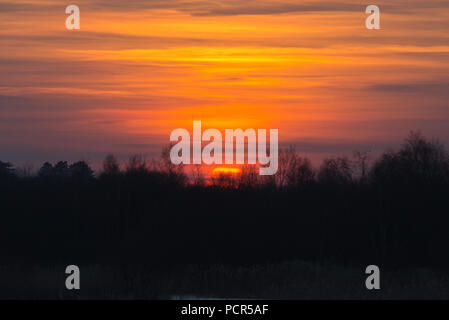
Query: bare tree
137, 164
293, 170
249, 176
224, 180
176, 173
287, 159
197, 175
111, 165
361, 163
418, 161
335, 170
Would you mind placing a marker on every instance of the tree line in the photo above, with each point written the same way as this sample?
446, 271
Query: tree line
392, 210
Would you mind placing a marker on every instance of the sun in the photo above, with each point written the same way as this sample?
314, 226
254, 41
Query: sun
227, 171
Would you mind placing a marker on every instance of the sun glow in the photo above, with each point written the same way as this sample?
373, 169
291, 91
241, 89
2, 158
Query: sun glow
227, 171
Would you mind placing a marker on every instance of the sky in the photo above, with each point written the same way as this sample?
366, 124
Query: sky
136, 70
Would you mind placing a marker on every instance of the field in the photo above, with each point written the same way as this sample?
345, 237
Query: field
288, 280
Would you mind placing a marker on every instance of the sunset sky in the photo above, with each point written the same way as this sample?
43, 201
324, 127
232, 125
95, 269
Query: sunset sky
136, 70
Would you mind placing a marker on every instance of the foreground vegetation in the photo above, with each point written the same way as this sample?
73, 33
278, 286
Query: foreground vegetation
286, 280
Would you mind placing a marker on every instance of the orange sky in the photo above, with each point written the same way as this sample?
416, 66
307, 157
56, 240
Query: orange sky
138, 69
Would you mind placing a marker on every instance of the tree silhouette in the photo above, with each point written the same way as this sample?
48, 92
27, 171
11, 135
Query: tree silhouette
46, 171
418, 162
335, 171
111, 166
81, 172
7, 171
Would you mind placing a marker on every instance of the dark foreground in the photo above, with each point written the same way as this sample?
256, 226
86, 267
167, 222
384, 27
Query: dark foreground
133, 230
288, 280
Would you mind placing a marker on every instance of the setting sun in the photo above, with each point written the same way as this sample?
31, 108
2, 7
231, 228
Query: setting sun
230, 171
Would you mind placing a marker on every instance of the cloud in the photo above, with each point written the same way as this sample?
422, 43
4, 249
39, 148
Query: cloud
230, 7
269, 8
10, 7
263, 7
103, 40
377, 135
433, 89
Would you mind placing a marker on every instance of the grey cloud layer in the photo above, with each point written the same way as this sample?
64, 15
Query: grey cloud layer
265, 7
232, 7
